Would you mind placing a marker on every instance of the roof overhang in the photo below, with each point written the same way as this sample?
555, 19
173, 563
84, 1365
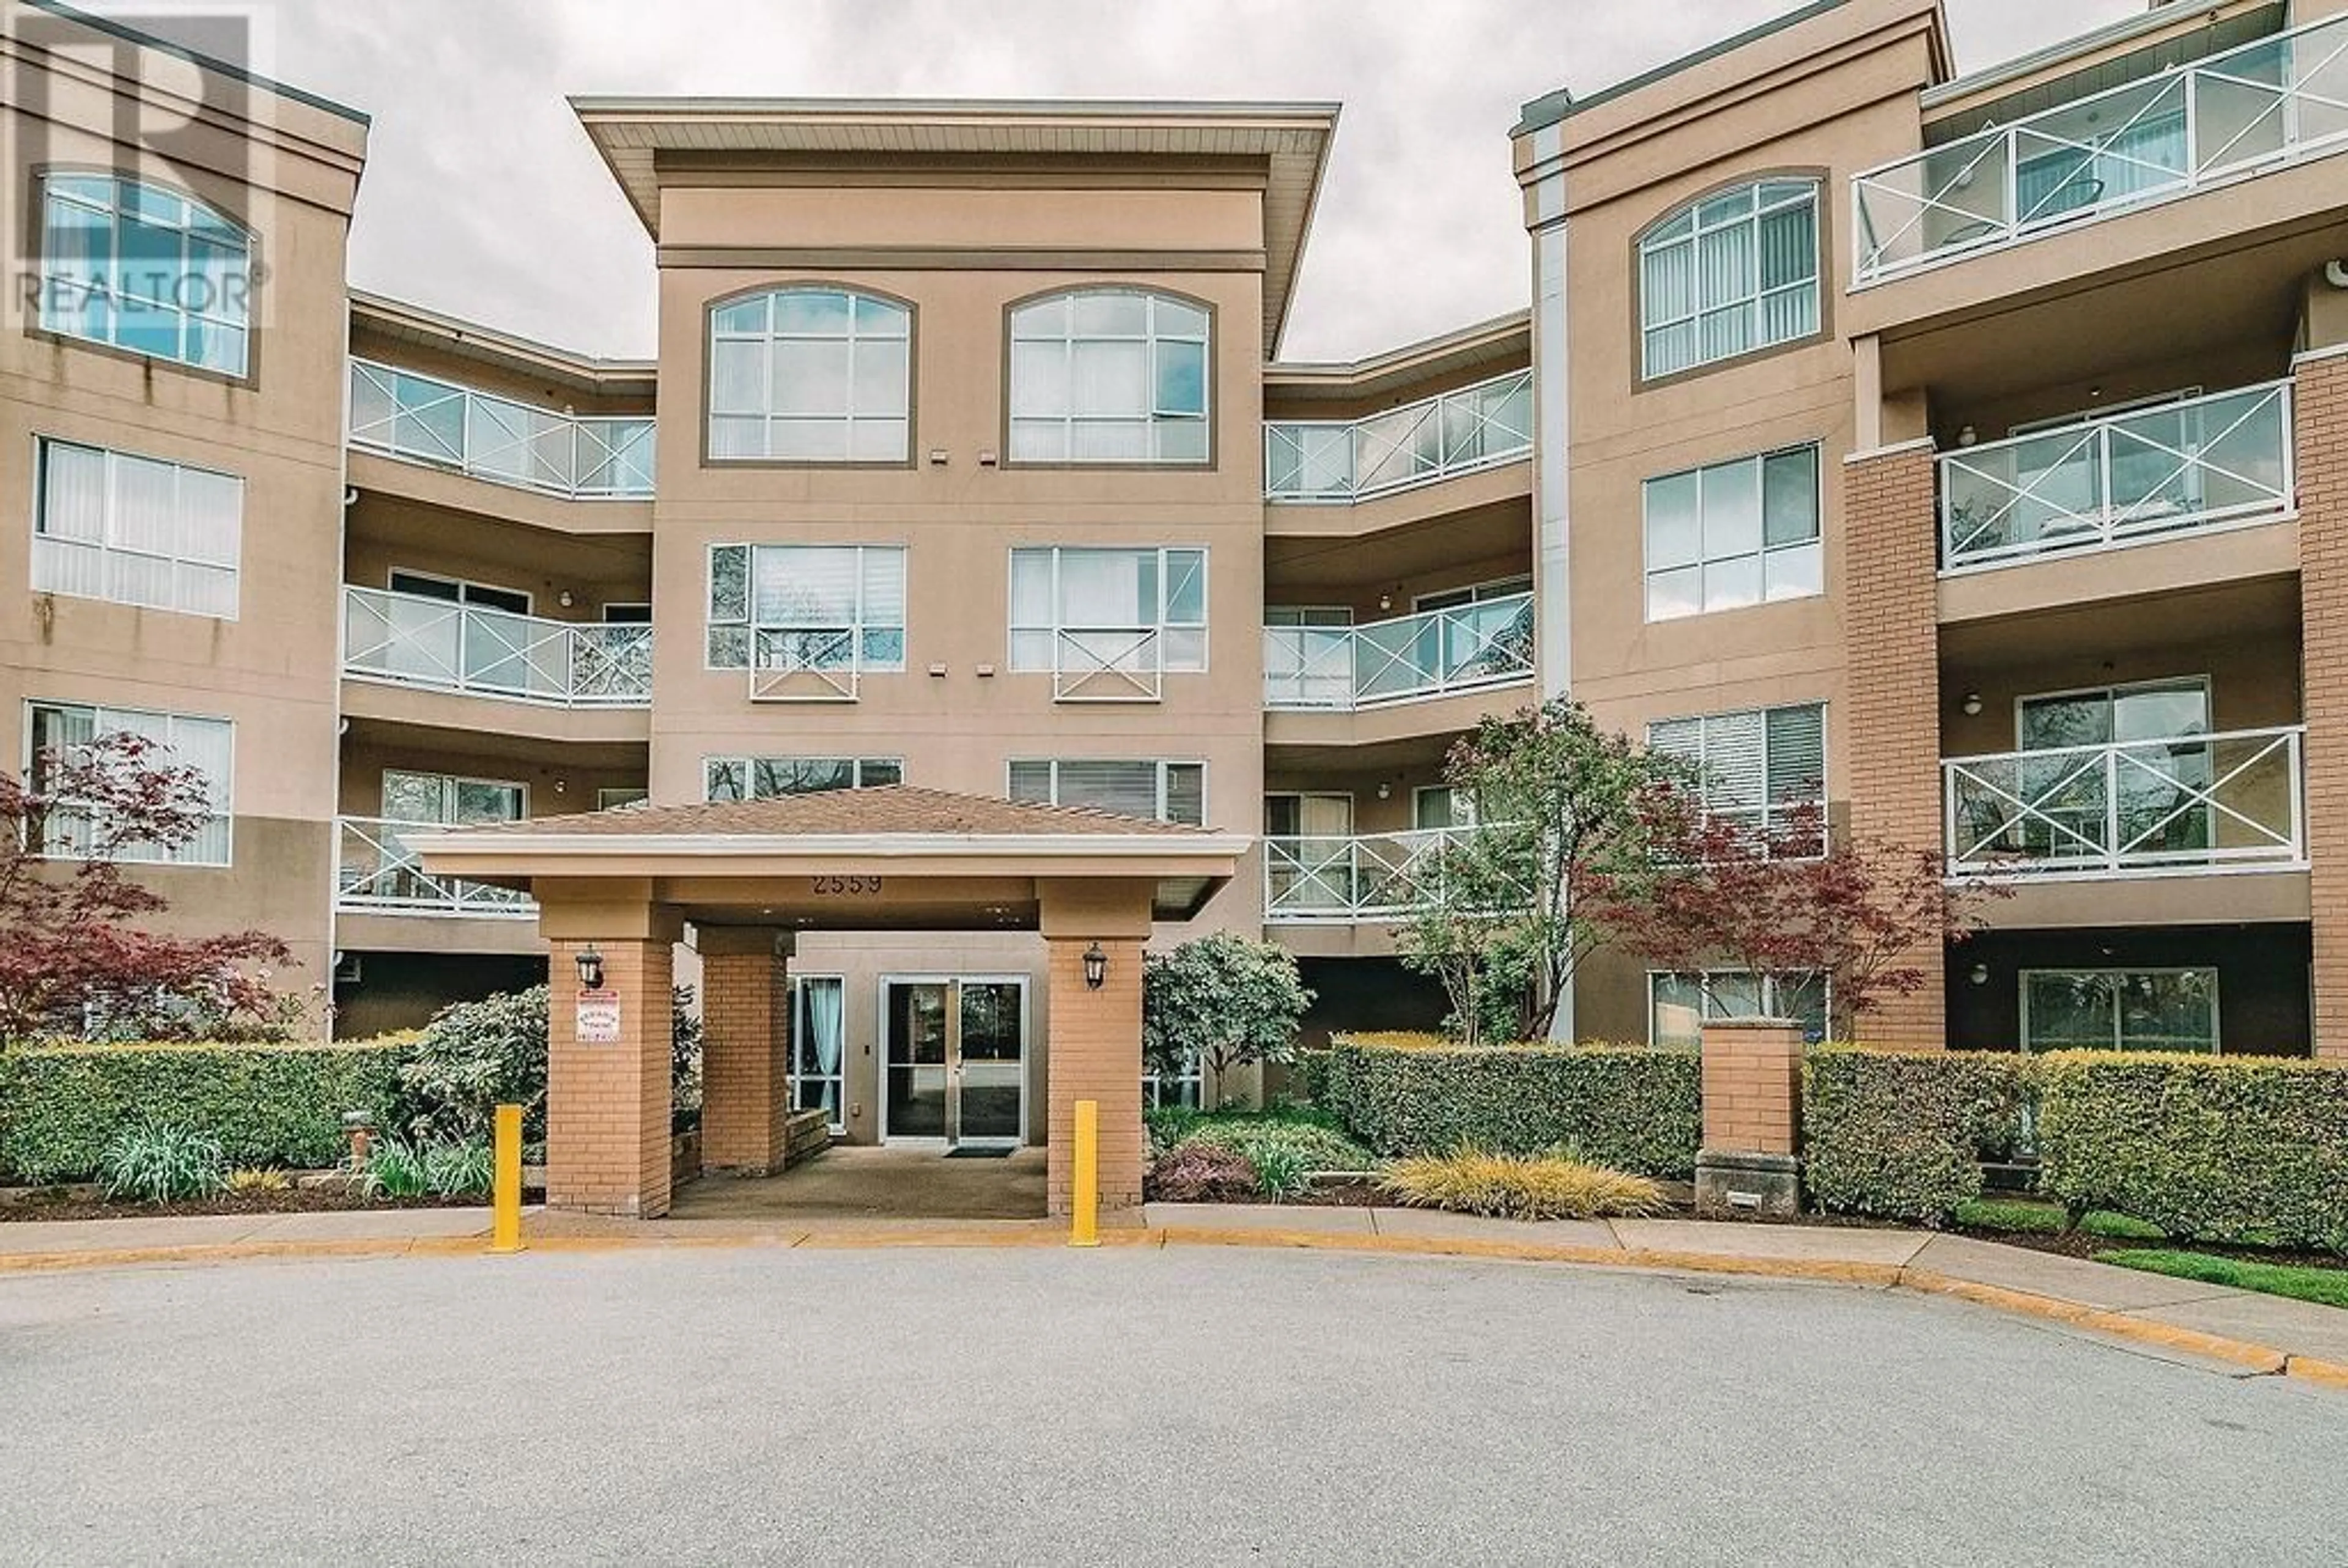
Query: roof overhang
1289, 141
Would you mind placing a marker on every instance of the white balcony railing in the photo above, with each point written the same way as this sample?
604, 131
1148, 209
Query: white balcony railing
2108, 481
2194, 803
376, 871
1433, 653
1417, 444
2275, 101
1368, 876
410, 639
1108, 664
804, 664
426, 420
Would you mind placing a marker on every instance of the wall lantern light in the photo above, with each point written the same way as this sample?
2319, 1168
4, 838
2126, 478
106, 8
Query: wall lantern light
1096, 968
1973, 703
590, 970
1979, 975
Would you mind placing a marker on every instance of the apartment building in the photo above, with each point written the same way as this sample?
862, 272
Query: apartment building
1950, 449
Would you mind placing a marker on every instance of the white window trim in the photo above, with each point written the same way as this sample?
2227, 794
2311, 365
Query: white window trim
1206, 810
2111, 692
1770, 809
1815, 197
1155, 420
1161, 626
749, 765
521, 787
227, 811
49, 278
766, 417
2217, 1010
1761, 552
106, 547
1477, 594
465, 588
791, 986
1768, 991
750, 606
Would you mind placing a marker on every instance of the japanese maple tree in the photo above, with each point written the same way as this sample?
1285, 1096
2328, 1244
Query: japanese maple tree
1786, 895
71, 937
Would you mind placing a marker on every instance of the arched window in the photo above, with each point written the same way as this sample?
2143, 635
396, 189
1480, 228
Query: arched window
1729, 274
811, 375
146, 270
1108, 375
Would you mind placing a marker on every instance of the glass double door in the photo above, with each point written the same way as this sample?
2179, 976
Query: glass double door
953, 1062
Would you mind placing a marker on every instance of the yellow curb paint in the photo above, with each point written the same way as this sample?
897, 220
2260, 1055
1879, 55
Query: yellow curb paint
2167, 1335
2330, 1374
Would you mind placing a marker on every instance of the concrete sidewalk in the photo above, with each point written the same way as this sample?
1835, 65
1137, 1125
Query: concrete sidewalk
2261, 1333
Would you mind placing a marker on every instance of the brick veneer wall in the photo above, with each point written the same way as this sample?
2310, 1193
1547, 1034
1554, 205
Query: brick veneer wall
1752, 1087
1096, 1054
1890, 726
745, 1089
2321, 413
607, 1106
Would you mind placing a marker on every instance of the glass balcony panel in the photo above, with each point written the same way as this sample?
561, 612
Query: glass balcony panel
1489, 642
1333, 878
1417, 444
428, 420
412, 640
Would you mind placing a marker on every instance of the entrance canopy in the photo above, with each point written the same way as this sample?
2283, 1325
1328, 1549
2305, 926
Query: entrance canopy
616, 889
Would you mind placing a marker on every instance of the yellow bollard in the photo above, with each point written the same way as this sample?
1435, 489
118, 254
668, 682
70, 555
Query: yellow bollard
505, 1229
1084, 1197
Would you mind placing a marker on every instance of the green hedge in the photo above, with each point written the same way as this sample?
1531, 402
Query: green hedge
2225, 1149
1628, 1107
1901, 1134
267, 1104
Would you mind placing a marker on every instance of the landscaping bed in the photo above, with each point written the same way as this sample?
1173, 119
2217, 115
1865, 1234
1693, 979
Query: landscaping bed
84, 1202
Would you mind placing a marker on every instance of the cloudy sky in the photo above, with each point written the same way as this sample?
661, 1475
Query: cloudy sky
483, 199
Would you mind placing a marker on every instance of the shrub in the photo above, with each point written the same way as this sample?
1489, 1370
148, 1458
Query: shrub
1519, 1186
2227, 1149
474, 1057
415, 1168
1257, 1139
60, 1106
160, 1161
1200, 1173
1168, 1125
1631, 1108
1280, 1171
1902, 1134
395, 1169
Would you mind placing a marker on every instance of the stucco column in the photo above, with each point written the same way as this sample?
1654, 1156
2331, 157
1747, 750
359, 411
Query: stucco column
1892, 720
1096, 1035
607, 1081
2321, 416
745, 1063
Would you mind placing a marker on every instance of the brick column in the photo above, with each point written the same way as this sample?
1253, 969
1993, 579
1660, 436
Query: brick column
1094, 1047
607, 1105
1752, 1119
2320, 414
745, 1064
1891, 723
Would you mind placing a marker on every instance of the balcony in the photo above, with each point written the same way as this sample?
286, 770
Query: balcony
2117, 480
375, 872
424, 419
1371, 877
408, 639
1344, 461
1435, 653
2231, 802
2251, 109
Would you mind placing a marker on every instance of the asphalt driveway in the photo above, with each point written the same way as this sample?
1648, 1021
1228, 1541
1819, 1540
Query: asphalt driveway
1188, 1406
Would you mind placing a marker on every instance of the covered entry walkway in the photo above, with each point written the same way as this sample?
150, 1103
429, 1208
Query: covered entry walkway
617, 890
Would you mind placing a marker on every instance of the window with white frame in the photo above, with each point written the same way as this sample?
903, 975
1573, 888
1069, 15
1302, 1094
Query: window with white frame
146, 270
1734, 534
136, 530
1679, 1004
1436, 807
1186, 1088
1169, 791
760, 778
1754, 767
818, 607
1733, 272
1074, 609
811, 375
447, 800
56, 730
818, 1031
621, 797
1109, 375
2120, 1009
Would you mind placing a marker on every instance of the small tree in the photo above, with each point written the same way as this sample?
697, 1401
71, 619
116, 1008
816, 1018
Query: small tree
1788, 897
1506, 912
69, 951
1222, 1001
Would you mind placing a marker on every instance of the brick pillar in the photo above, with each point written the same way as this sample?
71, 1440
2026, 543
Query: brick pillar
607, 1105
745, 1065
2321, 416
1094, 1054
1752, 1119
1891, 728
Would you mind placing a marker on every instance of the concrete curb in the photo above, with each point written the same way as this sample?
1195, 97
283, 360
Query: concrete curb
2255, 1357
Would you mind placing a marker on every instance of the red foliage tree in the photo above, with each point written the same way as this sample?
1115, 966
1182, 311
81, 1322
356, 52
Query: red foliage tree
1788, 897
68, 944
